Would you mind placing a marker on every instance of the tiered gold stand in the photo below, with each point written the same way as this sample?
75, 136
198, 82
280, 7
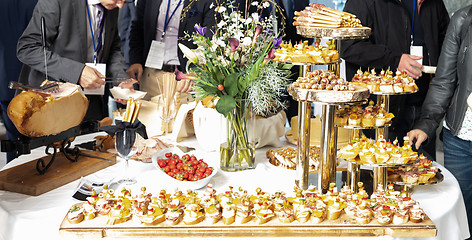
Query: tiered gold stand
329, 100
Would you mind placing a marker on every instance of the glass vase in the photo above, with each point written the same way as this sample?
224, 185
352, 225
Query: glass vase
238, 152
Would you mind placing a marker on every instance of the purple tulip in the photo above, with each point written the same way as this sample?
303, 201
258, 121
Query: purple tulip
201, 30
234, 43
277, 42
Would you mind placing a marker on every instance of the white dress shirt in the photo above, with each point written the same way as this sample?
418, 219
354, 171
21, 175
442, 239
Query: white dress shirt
172, 32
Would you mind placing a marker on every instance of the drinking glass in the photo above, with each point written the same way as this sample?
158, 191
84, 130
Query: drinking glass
168, 112
126, 145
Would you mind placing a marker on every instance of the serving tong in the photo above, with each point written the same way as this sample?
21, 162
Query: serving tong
47, 86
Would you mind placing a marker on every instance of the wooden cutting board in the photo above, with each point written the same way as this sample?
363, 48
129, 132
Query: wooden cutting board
25, 179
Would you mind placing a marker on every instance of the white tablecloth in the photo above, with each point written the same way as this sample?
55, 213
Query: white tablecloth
29, 217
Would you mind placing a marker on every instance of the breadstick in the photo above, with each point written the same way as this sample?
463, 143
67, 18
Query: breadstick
136, 111
131, 111
128, 106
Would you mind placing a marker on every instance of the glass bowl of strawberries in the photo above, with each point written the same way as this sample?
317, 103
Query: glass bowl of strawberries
184, 169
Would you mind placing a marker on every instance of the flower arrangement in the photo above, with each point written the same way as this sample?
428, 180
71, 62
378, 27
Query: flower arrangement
235, 63
235, 66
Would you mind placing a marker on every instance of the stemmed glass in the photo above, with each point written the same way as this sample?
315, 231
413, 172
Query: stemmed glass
168, 113
126, 145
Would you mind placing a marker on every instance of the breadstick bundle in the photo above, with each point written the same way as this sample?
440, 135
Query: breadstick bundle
318, 15
132, 110
168, 89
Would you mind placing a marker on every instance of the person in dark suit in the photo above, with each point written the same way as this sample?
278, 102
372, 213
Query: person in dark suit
165, 22
15, 15
69, 45
125, 18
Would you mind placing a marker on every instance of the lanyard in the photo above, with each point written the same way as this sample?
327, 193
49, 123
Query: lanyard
413, 21
167, 20
95, 47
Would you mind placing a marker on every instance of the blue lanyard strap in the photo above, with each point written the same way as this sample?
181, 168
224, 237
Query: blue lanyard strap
95, 47
167, 20
413, 21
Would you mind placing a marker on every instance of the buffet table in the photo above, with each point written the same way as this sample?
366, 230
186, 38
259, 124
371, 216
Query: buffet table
27, 217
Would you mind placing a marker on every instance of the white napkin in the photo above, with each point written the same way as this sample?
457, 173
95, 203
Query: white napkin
124, 93
429, 69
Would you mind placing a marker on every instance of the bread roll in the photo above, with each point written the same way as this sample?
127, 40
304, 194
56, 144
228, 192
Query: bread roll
37, 114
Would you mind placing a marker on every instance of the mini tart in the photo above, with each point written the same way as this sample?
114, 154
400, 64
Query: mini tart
333, 213
75, 215
229, 215
193, 214
174, 213
302, 213
383, 216
243, 212
212, 214
118, 216
317, 215
367, 156
363, 216
400, 216
89, 211
354, 120
416, 214
173, 217
154, 216
263, 215
368, 120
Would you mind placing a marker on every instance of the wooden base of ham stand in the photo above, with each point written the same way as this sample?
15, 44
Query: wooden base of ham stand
26, 179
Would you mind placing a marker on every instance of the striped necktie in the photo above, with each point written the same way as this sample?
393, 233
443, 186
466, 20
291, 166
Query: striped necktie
100, 22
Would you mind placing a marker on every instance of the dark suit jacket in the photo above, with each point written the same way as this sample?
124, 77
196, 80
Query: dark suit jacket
126, 17
15, 15
66, 31
143, 29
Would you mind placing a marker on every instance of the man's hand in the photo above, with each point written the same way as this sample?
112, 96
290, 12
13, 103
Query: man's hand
417, 136
409, 64
126, 85
90, 78
135, 71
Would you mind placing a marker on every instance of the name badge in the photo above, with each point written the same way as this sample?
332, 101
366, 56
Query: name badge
155, 57
101, 68
417, 51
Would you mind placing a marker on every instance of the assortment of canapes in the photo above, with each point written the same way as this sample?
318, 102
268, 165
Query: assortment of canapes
421, 172
323, 80
304, 53
239, 207
287, 157
357, 116
368, 151
385, 82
